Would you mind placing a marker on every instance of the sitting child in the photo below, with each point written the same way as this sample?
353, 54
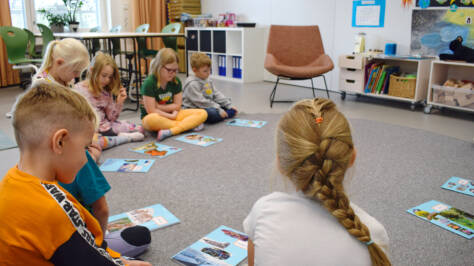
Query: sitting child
162, 98
101, 84
314, 223
199, 92
52, 127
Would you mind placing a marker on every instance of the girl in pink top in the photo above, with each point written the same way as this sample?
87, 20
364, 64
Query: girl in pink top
100, 87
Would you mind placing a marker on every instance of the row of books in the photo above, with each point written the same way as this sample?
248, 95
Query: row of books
378, 79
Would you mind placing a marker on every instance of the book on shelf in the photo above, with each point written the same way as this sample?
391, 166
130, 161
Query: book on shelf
390, 70
153, 217
447, 217
372, 77
223, 246
379, 78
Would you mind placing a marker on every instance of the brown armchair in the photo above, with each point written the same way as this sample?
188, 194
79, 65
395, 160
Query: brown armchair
296, 53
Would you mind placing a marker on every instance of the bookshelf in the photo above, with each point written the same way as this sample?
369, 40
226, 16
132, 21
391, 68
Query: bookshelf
237, 54
352, 76
442, 71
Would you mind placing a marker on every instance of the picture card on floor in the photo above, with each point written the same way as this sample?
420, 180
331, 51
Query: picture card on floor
153, 217
127, 165
223, 246
246, 123
156, 149
198, 139
447, 217
461, 185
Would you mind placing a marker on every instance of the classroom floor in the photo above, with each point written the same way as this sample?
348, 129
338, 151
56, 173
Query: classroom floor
253, 98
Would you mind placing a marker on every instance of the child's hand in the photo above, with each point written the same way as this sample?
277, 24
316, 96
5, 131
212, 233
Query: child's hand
235, 109
223, 113
173, 115
135, 262
94, 150
122, 95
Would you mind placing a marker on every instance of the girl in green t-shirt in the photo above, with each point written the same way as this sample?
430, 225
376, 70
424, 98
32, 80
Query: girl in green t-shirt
162, 98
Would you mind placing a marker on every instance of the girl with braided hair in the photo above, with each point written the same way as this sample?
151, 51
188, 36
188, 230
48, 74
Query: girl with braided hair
314, 223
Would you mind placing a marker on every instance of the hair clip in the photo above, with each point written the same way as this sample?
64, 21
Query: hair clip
319, 120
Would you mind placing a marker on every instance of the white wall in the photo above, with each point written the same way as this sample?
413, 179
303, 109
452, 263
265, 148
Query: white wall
119, 14
333, 17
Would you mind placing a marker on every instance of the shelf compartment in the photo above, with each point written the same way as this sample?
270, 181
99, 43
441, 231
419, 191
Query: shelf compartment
219, 41
205, 40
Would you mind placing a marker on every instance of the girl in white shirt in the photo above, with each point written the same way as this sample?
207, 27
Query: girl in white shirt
315, 224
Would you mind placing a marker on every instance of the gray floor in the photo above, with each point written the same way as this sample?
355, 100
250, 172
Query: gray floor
253, 99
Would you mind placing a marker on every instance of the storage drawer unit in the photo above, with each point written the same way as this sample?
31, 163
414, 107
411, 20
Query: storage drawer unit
351, 76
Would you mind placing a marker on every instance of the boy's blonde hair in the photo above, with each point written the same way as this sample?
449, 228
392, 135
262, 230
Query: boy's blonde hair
47, 107
164, 57
98, 63
314, 150
72, 51
199, 60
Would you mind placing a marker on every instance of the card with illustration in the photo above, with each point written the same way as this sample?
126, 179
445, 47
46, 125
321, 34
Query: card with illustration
127, 165
156, 149
447, 217
246, 123
152, 217
198, 139
461, 185
223, 246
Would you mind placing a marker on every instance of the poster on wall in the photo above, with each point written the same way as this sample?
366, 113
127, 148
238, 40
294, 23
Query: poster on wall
368, 13
444, 3
433, 29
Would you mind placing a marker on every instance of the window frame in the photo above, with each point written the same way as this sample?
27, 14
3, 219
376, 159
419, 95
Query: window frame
30, 15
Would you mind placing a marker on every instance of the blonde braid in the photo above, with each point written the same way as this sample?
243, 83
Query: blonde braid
319, 172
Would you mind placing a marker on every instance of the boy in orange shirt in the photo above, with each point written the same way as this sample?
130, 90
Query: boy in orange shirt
41, 223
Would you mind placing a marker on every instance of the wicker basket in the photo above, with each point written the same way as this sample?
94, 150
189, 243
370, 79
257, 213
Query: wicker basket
402, 86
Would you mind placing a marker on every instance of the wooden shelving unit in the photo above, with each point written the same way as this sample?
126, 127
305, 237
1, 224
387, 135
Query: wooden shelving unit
442, 71
352, 78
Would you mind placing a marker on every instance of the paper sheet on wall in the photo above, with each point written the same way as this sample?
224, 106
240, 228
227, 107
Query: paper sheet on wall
367, 15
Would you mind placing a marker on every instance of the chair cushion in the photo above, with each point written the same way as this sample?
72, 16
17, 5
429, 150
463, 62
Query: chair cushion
318, 66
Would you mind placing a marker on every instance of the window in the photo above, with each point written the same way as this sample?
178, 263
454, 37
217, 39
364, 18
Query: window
88, 15
17, 12
25, 14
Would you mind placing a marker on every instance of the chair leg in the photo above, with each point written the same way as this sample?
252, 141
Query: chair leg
272, 94
325, 85
312, 87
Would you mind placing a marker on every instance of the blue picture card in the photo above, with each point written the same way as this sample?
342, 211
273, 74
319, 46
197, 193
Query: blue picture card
368, 13
223, 246
153, 217
156, 149
198, 139
246, 123
461, 185
127, 165
447, 217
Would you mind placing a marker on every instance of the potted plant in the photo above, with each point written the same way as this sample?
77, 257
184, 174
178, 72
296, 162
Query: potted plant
71, 7
56, 21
